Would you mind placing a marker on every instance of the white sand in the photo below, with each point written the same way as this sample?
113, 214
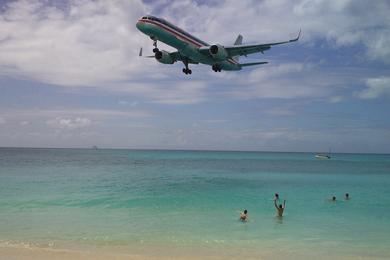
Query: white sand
19, 253
37, 253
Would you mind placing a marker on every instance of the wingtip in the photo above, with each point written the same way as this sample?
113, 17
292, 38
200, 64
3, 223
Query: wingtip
297, 38
299, 35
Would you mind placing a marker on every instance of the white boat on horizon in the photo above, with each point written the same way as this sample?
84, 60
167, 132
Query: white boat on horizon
323, 155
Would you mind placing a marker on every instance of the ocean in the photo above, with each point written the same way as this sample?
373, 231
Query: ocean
188, 202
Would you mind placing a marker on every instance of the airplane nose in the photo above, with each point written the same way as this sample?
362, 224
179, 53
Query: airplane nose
138, 25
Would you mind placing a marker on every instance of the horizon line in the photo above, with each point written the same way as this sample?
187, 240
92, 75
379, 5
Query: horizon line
182, 149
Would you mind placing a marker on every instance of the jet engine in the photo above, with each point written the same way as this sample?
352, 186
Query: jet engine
218, 52
164, 57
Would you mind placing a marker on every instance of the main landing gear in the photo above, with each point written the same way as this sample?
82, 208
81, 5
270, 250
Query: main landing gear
186, 70
216, 68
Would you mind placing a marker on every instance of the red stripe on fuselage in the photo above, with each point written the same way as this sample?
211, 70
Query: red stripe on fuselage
166, 28
184, 37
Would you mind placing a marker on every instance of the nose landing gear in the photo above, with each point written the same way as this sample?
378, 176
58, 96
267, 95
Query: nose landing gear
155, 49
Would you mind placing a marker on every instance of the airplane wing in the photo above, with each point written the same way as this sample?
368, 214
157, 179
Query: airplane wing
175, 56
239, 50
178, 57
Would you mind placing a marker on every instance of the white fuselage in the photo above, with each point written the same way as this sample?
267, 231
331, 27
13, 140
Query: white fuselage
187, 45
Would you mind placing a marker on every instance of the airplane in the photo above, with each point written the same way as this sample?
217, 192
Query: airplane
191, 50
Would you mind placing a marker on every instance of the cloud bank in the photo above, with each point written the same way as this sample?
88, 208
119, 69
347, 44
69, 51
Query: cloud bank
89, 43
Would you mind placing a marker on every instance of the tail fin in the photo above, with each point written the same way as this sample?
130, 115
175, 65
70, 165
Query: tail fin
237, 42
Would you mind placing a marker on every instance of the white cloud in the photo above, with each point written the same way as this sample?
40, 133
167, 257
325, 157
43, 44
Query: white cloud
69, 123
125, 103
37, 120
377, 87
91, 113
90, 43
215, 121
181, 93
342, 22
96, 42
336, 99
280, 112
177, 92
284, 81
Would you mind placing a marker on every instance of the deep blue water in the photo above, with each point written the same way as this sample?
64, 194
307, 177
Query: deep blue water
129, 198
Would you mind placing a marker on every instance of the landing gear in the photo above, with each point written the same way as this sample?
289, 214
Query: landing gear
155, 49
216, 68
186, 70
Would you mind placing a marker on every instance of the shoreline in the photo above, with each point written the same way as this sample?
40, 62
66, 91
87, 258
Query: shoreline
24, 252
46, 253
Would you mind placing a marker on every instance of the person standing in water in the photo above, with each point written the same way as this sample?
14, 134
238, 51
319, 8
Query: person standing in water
244, 216
280, 208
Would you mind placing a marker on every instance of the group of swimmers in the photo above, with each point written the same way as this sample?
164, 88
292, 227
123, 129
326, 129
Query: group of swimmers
280, 208
346, 197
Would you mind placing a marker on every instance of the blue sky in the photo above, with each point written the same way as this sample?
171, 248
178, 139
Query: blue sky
70, 76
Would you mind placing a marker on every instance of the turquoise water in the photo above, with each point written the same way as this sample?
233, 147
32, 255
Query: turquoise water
190, 200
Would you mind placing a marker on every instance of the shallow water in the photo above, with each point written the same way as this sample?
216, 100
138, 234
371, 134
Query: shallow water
191, 199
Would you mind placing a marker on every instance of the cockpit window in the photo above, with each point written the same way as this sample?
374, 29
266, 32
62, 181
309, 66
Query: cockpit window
144, 17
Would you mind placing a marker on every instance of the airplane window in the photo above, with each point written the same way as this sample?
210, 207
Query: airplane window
144, 17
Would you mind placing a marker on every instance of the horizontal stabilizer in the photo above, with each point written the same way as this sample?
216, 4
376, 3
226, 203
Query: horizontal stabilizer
253, 63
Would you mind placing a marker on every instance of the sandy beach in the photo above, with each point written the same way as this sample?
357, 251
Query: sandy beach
35, 253
32, 253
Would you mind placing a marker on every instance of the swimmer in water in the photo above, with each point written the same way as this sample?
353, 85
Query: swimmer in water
244, 216
333, 198
276, 198
346, 196
280, 208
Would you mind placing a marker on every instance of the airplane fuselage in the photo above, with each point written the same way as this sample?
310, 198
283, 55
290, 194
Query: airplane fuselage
187, 45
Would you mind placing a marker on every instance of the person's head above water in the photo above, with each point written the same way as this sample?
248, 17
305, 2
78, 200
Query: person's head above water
280, 206
245, 211
277, 195
333, 198
346, 195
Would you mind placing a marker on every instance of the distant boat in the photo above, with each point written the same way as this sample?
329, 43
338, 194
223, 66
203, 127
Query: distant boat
323, 155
